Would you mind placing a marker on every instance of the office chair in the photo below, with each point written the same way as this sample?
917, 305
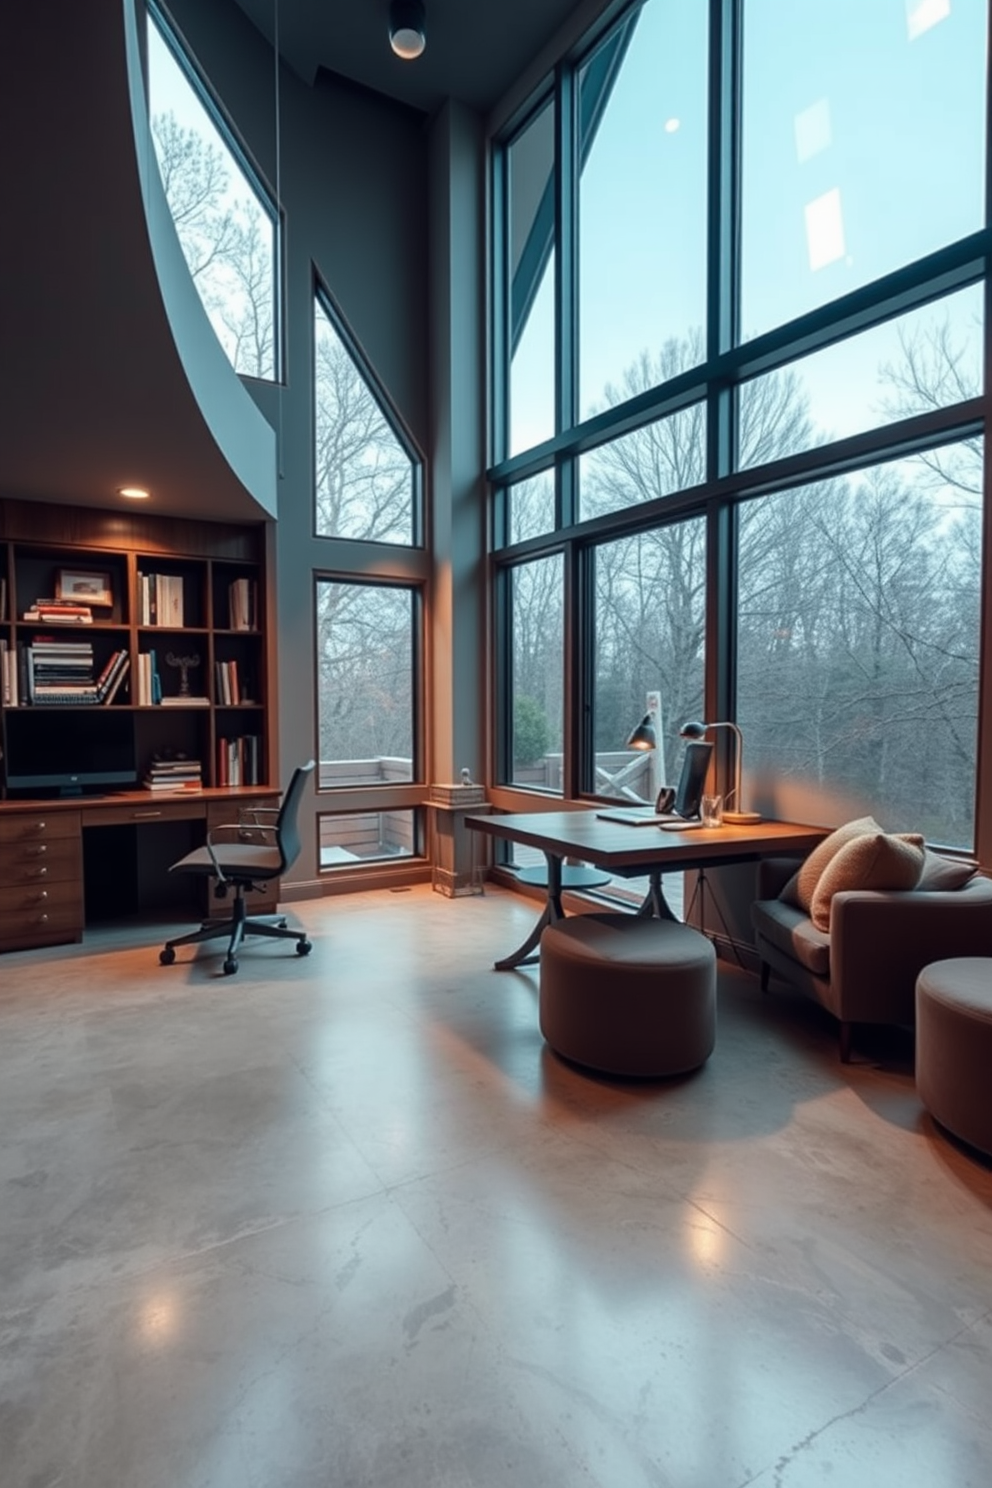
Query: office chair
259, 854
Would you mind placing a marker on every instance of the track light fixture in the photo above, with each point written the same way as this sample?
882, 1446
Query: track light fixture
407, 35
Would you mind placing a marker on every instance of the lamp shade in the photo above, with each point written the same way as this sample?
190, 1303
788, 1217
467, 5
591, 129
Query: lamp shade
407, 34
644, 736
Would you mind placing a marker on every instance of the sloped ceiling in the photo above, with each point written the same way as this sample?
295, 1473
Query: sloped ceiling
94, 391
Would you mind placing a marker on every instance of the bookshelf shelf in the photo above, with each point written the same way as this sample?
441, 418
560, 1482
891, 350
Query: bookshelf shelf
189, 595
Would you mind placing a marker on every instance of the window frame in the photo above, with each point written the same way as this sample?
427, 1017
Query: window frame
323, 300
266, 196
729, 363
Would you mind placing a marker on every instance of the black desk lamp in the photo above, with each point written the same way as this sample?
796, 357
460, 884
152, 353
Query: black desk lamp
738, 817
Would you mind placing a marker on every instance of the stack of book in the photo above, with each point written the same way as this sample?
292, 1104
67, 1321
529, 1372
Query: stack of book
228, 683
242, 597
239, 760
59, 612
173, 775
61, 672
160, 599
8, 675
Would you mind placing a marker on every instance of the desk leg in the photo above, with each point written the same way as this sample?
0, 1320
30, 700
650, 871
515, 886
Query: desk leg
654, 902
525, 955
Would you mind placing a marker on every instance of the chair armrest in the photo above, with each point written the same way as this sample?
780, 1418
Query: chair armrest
881, 941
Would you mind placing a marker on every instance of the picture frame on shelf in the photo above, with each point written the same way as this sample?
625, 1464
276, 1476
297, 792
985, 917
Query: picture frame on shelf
84, 586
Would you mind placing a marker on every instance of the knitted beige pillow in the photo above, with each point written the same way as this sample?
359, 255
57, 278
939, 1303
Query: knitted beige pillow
801, 887
871, 861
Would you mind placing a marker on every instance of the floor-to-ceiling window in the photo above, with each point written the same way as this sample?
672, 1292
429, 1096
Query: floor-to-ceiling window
754, 236
368, 608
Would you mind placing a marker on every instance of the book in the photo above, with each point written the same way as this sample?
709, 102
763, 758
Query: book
175, 701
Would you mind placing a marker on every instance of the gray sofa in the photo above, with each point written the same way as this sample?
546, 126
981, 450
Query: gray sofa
864, 969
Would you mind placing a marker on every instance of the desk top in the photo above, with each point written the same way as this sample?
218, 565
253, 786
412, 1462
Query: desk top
134, 799
584, 835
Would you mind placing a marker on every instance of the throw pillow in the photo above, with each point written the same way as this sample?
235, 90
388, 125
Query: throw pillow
823, 853
945, 873
871, 861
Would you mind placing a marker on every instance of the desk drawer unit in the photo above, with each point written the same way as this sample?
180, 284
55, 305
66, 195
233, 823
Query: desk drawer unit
41, 881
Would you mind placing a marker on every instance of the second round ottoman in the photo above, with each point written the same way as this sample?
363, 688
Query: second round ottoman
954, 1046
628, 995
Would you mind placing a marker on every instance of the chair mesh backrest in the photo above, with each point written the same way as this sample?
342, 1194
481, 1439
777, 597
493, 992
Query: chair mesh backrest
287, 823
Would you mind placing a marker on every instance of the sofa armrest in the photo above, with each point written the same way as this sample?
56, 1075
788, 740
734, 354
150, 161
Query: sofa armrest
880, 941
773, 875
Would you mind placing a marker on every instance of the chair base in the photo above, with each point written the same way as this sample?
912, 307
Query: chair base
236, 926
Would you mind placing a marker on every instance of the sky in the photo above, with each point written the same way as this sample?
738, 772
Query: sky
863, 149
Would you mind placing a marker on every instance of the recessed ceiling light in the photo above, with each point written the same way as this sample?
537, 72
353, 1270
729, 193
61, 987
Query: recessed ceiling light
671, 125
134, 493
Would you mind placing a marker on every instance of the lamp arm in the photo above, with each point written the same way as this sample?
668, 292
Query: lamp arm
735, 792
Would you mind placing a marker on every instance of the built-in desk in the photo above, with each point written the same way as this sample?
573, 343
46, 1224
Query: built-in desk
59, 857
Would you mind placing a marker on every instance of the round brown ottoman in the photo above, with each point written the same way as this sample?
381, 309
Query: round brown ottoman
628, 995
954, 1046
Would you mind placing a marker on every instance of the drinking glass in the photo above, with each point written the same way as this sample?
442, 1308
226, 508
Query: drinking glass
711, 810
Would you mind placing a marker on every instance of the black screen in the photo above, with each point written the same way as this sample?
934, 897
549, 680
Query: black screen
695, 764
68, 749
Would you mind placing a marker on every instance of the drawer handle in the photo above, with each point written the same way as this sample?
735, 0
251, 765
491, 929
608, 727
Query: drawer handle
39, 851
41, 919
40, 872
41, 897
145, 815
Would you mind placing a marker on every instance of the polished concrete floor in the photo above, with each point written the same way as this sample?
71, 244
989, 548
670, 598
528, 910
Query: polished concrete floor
346, 1222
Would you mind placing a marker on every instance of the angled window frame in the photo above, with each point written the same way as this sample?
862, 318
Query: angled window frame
266, 196
323, 300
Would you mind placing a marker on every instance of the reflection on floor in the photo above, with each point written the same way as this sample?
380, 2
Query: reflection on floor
346, 1221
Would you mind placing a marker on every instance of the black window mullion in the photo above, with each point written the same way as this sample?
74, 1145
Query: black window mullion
566, 283
722, 334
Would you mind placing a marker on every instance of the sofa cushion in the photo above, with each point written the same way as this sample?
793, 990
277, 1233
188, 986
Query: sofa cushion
791, 931
874, 860
945, 873
801, 887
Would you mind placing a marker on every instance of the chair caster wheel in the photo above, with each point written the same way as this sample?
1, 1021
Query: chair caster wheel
303, 947
166, 957
230, 965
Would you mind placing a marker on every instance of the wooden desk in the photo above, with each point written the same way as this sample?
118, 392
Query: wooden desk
42, 862
633, 852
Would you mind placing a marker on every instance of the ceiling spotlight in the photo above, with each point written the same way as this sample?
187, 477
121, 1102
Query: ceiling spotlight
133, 493
407, 35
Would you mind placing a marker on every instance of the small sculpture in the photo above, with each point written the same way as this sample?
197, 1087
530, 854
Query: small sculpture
466, 776
185, 665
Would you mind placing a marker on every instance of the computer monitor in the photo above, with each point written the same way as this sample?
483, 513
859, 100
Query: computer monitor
689, 791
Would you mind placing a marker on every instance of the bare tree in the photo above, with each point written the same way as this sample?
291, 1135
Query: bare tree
226, 238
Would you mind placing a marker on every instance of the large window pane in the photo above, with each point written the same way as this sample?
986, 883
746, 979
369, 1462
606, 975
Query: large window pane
858, 646
531, 226
226, 230
366, 665
656, 460
649, 653
532, 507
365, 479
350, 839
642, 202
929, 359
863, 144
536, 608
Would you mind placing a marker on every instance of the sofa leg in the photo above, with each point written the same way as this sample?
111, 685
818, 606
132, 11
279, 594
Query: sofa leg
846, 1032
766, 972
